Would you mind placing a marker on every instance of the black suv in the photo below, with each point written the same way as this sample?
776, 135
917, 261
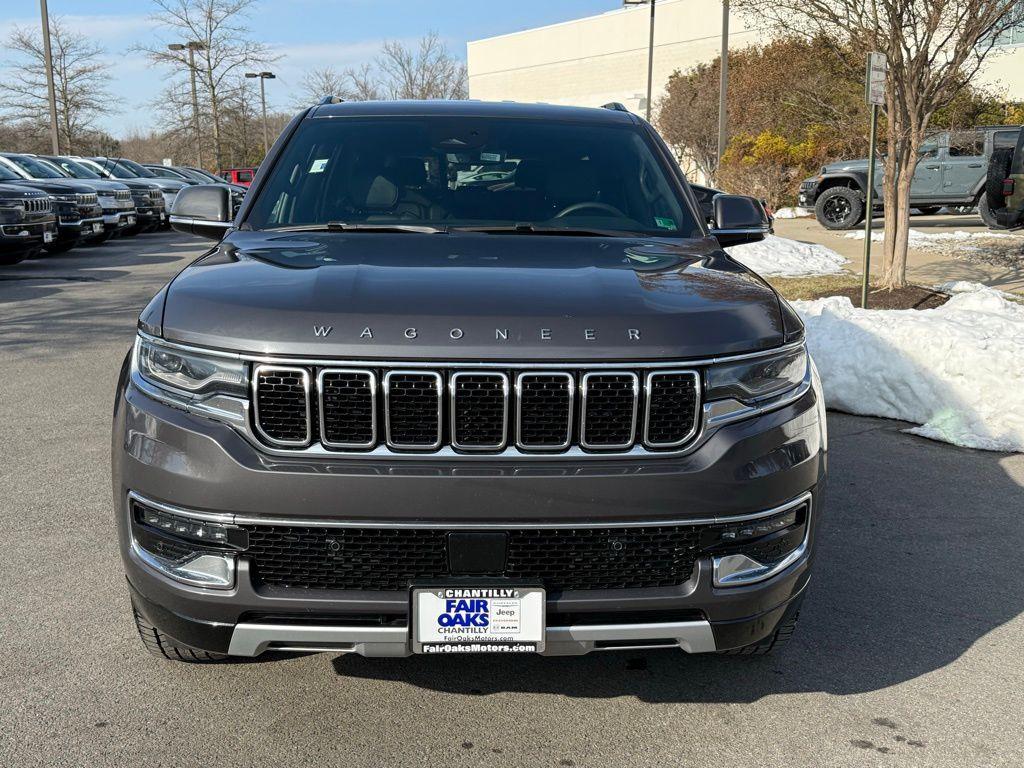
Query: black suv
464, 377
1005, 186
27, 222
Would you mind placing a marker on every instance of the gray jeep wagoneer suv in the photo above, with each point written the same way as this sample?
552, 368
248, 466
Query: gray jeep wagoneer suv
465, 377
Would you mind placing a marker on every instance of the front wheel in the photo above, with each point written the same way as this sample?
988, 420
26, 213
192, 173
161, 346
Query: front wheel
839, 208
13, 257
159, 644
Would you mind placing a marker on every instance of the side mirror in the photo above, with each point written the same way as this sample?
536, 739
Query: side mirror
204, 209
739, 219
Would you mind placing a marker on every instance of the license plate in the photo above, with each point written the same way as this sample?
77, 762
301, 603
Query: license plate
478, 620
131, 219
97, 227
163, 217
48, 237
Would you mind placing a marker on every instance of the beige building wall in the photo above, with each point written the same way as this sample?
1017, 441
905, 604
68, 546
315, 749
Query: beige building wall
597, 59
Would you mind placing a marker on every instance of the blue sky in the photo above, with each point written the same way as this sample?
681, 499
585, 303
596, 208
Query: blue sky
308, 33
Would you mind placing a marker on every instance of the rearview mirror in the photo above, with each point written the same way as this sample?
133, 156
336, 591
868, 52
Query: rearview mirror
204, 209
739, 219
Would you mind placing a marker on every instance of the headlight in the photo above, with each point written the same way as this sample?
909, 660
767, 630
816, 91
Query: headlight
65, 198
188, 372
751, 381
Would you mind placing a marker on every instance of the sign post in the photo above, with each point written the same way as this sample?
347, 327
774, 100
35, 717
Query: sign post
875, 94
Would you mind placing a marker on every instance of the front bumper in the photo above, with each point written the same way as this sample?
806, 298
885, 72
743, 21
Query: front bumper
187, 461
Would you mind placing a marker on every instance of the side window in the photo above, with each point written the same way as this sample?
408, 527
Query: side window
1005, 139
929, 152
245, 175
966, 144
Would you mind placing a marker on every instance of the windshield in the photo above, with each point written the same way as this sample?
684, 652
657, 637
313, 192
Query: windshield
6, 174
472, 172
73, 168
125, 169
37, 169
202, 176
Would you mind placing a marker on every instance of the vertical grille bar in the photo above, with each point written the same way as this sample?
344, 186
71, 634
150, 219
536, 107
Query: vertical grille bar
544, 406
412, 410
281, 407
673, 408
608, 411
348, 407
479, 411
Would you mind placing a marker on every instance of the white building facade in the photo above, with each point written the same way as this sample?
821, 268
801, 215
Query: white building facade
598, 59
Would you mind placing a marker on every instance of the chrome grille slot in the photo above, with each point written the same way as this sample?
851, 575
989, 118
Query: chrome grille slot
544, 405
412, 409
672, 413
37, 204
281, 406
608, 411
479, 411
348, 407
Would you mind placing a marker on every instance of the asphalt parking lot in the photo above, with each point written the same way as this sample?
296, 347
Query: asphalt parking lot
910, 649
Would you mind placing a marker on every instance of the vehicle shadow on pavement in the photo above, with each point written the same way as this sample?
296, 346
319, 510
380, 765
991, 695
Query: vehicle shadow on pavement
918, 559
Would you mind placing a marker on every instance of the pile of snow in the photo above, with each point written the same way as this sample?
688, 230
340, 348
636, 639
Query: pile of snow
957, 370
793, 213
781, 257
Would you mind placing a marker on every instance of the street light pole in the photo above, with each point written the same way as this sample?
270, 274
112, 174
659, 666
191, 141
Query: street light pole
193, 46
650, 53
48, 63
723, 86
263, 76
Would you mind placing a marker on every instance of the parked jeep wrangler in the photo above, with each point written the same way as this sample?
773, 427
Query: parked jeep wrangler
950, 173
463, 377
1005, 185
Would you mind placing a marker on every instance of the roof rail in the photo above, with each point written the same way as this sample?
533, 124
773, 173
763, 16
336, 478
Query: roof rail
618, 106
331, 100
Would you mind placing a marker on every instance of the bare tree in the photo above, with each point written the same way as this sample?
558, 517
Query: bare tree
935, 49
320, 82
80, 78
363, 83
429, 72
227, 49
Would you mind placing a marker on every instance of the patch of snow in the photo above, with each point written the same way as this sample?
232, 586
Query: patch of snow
793, 213
781, 257
919, 239
957, 370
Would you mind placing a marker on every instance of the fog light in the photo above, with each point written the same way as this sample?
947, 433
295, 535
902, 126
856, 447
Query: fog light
749, 552
190, 550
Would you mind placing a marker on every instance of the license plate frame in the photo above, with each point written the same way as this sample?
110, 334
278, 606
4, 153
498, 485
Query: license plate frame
516, 618
97, 227
49, 237
131, 220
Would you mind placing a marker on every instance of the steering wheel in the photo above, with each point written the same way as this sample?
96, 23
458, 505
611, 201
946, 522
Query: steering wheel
594, 205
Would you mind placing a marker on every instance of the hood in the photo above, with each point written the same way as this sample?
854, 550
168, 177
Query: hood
471, 296
60, 186
137, 184
102, 185
167, 185
847, 165
10, 191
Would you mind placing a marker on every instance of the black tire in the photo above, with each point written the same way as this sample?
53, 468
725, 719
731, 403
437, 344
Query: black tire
159, 644
987, 215
839, 208
773, 642
60, 247
928, 210
101, 239
998, 171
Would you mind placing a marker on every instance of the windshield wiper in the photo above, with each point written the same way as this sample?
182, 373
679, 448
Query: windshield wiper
344, 226
525, 228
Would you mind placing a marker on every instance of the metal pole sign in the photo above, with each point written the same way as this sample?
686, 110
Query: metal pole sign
875, 95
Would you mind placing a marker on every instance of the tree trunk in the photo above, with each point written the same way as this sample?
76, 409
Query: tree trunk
895, 275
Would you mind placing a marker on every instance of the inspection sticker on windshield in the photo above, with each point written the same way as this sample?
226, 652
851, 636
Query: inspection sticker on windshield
478, 620
664, 223
319, 165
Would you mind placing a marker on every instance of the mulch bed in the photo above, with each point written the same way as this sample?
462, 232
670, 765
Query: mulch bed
911, 297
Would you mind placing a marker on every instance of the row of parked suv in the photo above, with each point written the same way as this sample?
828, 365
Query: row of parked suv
50, 204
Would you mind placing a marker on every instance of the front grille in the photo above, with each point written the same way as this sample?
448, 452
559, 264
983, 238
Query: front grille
123, 194
609, 410
87, 198
412, 408
476, 411
282, 404
391, 559
37, 205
